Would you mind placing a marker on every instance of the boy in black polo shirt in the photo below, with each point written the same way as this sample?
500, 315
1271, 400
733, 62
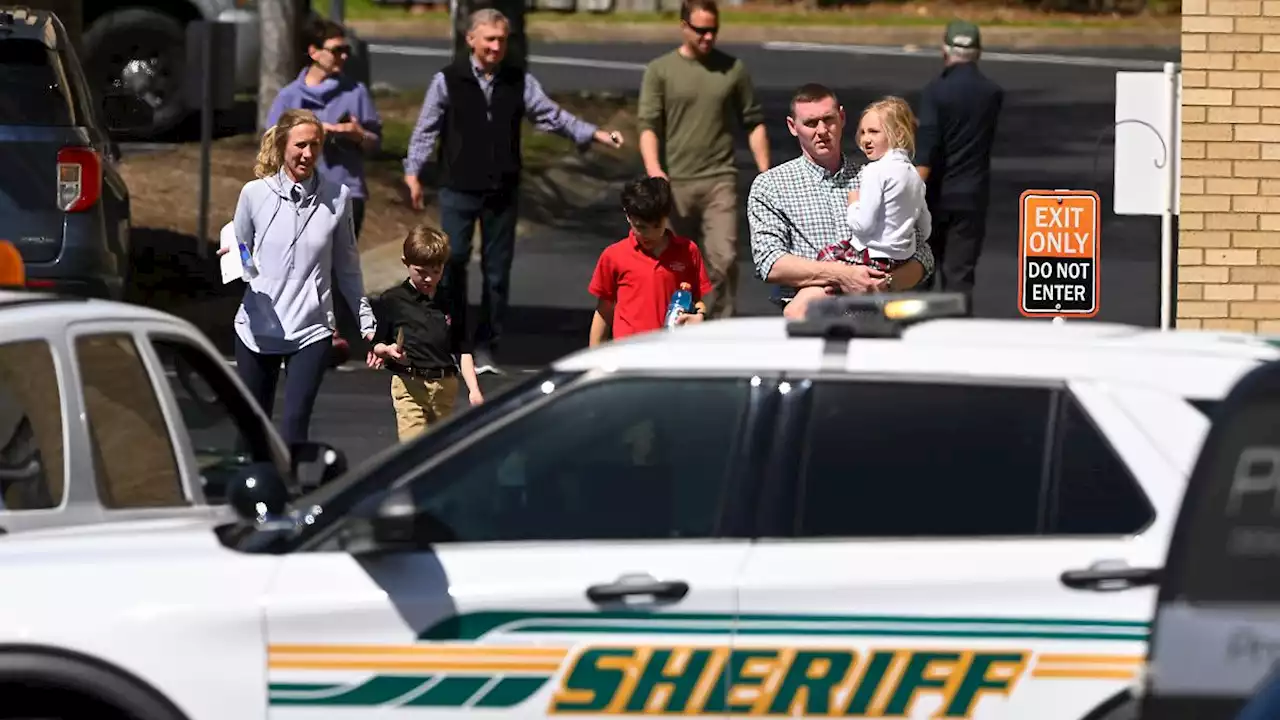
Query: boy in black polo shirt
413, 341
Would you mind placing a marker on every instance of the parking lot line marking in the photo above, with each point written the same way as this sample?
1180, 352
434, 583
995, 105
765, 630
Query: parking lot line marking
987, 56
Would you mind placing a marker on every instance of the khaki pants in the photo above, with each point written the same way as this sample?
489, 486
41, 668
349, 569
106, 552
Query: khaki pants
421, 403
706, 211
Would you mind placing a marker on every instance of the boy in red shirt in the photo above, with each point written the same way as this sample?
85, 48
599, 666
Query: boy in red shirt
636, 276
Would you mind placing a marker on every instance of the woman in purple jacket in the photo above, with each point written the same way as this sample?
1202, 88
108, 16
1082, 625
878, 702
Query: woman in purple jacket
351, 124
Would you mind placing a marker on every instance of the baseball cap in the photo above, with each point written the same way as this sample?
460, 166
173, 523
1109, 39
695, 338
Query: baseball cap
963, 34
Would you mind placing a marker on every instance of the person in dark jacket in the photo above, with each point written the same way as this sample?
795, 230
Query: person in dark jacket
475, 108
958, 114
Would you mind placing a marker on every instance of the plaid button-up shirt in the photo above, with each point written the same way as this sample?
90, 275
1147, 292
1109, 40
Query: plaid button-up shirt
798, 208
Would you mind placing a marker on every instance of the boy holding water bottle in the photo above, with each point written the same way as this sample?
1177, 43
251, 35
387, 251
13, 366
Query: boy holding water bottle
636, 277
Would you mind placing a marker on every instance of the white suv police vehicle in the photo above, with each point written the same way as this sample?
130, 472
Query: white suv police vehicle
112, 412
877, 515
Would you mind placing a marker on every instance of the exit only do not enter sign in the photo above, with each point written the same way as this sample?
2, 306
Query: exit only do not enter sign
1058, 253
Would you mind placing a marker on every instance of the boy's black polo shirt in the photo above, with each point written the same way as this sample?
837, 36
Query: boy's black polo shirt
428, 344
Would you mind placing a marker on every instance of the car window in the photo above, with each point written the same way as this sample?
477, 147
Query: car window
634, 458
917, 459
35, 88
133, 456
1094, 492
32, 475
212, 413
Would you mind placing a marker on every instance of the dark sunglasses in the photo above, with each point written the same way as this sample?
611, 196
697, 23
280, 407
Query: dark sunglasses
340, 49
703, 30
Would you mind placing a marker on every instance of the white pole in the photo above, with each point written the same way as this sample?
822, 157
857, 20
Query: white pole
1172, 149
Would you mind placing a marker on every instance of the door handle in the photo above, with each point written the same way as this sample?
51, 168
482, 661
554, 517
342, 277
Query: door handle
1104, 578
625, 587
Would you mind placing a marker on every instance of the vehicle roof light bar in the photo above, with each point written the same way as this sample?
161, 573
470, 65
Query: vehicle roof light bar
875, 316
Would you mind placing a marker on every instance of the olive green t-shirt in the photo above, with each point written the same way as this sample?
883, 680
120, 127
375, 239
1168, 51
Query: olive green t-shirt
691, 105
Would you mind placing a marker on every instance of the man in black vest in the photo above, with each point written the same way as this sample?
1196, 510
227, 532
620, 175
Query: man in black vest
475, 108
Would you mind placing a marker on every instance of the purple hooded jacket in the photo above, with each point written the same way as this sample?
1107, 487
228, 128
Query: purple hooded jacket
331, 100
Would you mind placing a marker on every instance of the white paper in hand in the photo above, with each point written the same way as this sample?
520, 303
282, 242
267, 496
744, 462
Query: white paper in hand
229, 263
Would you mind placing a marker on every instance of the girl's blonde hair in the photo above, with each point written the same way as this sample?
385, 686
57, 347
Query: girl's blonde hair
271, 151
899, 122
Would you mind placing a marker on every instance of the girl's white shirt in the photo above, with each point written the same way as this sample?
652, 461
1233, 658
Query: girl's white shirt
891, 205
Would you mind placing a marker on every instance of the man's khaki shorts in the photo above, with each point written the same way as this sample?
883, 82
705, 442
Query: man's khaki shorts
421, 403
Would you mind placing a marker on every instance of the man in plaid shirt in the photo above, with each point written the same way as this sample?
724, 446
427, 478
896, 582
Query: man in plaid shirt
798, 208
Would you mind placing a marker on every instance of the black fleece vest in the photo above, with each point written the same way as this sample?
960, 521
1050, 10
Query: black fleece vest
481, 141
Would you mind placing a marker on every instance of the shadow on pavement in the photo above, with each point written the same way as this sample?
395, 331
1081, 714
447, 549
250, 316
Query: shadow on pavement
170, 275
536, 336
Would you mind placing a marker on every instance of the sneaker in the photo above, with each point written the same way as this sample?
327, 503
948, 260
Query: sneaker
484, 362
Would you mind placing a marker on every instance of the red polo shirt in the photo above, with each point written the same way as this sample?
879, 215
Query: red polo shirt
641, 285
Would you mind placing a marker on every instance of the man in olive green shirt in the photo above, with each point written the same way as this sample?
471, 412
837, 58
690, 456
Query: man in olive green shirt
688, 100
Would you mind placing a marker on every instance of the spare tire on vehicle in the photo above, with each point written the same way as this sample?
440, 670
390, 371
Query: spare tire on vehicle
140, 52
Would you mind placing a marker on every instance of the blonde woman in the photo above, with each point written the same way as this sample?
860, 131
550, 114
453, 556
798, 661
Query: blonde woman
889, 206
297, 227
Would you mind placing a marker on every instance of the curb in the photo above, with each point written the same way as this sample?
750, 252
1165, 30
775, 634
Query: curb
994, 36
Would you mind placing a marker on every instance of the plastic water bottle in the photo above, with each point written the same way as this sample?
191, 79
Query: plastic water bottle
246, 262
681, 302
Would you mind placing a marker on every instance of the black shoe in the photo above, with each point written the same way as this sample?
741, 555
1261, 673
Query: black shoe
484, 362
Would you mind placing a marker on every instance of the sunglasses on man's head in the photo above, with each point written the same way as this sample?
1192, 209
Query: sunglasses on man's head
703, 30
339, 49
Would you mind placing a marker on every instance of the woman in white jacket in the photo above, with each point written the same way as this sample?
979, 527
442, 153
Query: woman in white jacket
298, 229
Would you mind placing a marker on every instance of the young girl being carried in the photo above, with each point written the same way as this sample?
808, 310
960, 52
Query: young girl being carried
889, 207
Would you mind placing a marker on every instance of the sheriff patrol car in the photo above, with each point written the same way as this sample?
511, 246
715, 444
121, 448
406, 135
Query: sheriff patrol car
890, 514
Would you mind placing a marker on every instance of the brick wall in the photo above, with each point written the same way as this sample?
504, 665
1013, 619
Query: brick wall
1229, 231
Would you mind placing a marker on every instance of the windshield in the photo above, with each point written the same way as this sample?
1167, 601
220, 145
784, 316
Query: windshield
35, 89
339, 497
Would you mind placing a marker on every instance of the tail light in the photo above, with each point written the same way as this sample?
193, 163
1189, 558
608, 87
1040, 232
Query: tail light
79, 178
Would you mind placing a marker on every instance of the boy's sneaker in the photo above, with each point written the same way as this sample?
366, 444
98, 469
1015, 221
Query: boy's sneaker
484, 361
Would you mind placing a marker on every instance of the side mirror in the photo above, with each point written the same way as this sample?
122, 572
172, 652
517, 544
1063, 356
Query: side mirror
398, 525
257, 492
316, 463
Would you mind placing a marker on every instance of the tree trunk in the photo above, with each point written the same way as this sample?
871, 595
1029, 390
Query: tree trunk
70, 12
517, 42
279, 23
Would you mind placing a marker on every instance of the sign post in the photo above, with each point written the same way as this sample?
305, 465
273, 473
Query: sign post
1148, 165
1059, 253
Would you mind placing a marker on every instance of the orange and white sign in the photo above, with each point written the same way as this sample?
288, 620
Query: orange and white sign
1058, 253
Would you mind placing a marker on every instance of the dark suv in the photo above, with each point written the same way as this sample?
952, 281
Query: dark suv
62, 201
